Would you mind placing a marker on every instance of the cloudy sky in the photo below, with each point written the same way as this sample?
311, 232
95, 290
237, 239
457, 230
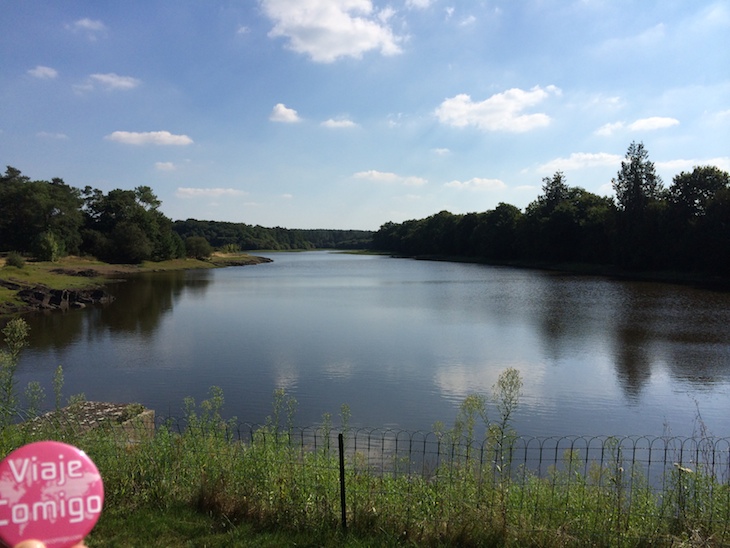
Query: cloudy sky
352, 113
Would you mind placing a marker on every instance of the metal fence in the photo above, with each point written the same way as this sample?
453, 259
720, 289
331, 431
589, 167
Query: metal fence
535, 481
430, 485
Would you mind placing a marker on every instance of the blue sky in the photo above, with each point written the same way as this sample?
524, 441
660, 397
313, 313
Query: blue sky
352, 113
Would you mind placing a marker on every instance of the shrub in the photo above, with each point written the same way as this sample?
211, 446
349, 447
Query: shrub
48, 247
198, 247
15, 259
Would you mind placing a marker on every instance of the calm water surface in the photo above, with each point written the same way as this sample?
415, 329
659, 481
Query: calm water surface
402, 342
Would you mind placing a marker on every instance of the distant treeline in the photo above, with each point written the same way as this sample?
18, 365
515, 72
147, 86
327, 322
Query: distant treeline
684, 228
50, 219
223, 235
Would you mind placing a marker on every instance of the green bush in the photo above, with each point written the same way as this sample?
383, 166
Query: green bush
15, 259
198, 247
48, 247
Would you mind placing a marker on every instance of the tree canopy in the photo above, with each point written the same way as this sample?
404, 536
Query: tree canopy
645, 227
685, 227
48, 219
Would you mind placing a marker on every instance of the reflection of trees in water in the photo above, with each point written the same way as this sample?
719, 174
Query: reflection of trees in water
55, 329
149, 297
631, 357
688, 329
571, 309
698, 348
140, 303
648, 323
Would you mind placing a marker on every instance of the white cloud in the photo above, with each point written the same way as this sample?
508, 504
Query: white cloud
477, 183
722, 162
43, 73
418, 4
387, 177
243, 29
281, 113
329, 29
287, 196
468, 20
606, 130
165, 166
114, 81
441, 151
646, 40
655, 122
715, 16
149, 138
92, 28
500, 112
187, 192
49, 135
580, 160
337, 124
642, 124
88, 24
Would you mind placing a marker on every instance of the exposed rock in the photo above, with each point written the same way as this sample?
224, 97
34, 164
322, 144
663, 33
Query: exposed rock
132, 422
43, 298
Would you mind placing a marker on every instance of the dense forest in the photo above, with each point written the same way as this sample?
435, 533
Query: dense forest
684, 227
50, 219
646, 227
223, 235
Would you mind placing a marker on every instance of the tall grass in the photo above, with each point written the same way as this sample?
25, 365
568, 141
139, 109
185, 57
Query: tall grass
473, 484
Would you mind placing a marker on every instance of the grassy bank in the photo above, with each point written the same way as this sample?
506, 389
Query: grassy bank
213, 482
82, 273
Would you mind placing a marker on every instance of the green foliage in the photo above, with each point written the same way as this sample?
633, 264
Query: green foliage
58, 387
646, 227
29, 208
48, 247
230, 248
75, 399
198, 247
15, 259
636, 183
16, 338
231, 237
34, 397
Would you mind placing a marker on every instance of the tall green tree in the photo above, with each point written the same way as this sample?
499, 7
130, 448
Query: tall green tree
554, 191
637, 183
691, 192
32, 211
125, 226
640, 200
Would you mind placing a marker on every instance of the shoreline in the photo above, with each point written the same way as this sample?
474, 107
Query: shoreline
584, 269
76, 282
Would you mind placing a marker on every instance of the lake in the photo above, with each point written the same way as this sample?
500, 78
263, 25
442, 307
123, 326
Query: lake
402, 342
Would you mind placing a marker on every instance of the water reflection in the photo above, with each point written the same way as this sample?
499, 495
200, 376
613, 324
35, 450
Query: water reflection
401, 341
139, 306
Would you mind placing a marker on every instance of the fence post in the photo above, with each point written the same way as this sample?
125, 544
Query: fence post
341, 443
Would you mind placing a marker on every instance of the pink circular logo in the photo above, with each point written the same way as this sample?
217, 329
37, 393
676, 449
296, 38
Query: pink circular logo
49, 491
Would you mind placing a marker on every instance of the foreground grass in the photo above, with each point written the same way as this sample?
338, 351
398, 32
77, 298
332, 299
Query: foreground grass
209, 484
182, 525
